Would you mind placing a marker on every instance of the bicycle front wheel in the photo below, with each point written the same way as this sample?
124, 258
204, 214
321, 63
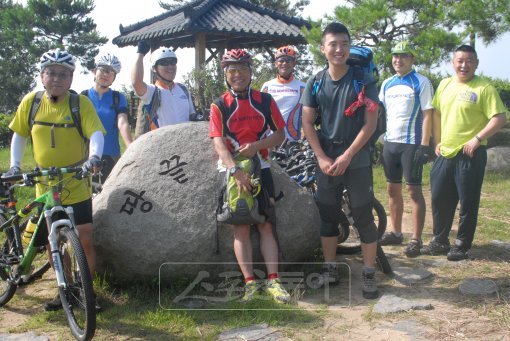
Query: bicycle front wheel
77, 297
7, 286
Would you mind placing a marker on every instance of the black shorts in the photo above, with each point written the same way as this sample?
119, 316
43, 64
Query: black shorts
82, 215
399, 161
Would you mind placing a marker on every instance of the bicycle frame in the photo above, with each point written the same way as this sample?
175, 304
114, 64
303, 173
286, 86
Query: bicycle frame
49, 204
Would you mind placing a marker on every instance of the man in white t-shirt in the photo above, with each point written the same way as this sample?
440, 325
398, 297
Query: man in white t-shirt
175, 105
407, 97
286, 91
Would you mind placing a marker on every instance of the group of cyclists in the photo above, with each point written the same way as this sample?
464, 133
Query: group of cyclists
463, 113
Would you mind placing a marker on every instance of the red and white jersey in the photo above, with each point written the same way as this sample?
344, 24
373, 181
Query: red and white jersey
244, 121
287, 95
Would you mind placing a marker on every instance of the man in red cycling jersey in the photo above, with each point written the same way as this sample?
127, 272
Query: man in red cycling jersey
240, 120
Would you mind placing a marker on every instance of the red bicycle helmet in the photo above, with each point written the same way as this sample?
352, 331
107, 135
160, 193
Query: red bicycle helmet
287, 51
236, 56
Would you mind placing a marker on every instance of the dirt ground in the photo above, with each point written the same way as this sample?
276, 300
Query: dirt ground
454, 316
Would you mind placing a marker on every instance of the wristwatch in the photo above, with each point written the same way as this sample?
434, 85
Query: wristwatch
232, 170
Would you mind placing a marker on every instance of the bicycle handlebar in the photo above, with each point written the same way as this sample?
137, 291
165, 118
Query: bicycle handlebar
53, 171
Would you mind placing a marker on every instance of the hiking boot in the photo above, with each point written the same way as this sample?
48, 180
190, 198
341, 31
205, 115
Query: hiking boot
413, 248
251, 291
276, 290
457, 252
435, 248
53, 305
369, 285
391, 239
328, 276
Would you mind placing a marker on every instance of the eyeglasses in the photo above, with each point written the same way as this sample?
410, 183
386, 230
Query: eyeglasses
285, 60
243, 70
58, 75
167, 61
105, 70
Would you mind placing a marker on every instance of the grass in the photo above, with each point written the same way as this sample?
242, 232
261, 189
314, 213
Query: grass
133, 312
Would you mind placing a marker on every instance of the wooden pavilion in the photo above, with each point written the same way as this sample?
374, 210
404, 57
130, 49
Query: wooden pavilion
215, 25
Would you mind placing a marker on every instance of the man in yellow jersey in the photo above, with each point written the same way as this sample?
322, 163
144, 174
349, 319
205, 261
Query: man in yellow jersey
59, 141
468, 110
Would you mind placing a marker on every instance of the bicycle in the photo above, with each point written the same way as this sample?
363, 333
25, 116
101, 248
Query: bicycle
300, 164
8, 202
74, 281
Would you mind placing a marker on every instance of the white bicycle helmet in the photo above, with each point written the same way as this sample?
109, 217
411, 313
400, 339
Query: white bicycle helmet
109, 60
162, 53
57, 57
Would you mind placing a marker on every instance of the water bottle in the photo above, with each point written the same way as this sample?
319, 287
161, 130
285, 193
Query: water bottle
29, 230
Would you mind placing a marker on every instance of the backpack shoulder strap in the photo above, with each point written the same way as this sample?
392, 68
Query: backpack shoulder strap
359, 78
318, 80
116, 101
184, 89
85, 93
36, 102
74, 106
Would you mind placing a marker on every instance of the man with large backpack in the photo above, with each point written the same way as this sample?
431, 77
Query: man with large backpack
347, 122
407, 97
167, 102
239, 124
65, 132
111, 107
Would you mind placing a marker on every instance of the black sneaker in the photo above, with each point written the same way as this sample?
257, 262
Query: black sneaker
435, 248
391, 239
53, 305
457, 253
413, 248
369, 285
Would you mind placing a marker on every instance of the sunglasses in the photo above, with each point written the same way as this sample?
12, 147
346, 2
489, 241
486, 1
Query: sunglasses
105, 70
240, 70
285, 60
167, 61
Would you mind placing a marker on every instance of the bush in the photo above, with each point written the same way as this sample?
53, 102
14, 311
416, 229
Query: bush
5, 132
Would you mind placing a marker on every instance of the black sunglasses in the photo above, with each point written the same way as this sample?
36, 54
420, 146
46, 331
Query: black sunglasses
167, 61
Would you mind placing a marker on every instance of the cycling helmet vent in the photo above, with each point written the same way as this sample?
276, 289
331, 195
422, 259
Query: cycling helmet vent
110, 60
57, 57
162, 53
236, 56
290, 51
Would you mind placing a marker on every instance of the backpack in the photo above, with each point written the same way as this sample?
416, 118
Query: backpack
146, 117
365, 73
116, 99
241, 209
74, 105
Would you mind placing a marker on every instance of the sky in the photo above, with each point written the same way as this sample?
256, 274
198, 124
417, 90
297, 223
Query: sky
108, 14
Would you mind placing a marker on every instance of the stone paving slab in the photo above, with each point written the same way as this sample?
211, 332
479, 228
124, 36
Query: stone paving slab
409, 276
258, 332
475, 286
393, 304
31, 336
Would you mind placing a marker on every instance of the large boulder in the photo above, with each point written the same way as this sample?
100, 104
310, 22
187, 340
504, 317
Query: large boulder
158, 207
498, 158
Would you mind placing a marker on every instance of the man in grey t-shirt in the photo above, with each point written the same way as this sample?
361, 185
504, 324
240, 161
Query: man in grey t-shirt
342, 153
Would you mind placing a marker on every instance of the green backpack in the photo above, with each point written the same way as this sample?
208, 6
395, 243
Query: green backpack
243, 209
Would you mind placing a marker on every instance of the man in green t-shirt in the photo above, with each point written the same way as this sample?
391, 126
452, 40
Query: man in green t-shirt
468, 110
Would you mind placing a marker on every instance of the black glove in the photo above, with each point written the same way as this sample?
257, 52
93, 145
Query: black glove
15, 170
422, 154
94, 163
143, 47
